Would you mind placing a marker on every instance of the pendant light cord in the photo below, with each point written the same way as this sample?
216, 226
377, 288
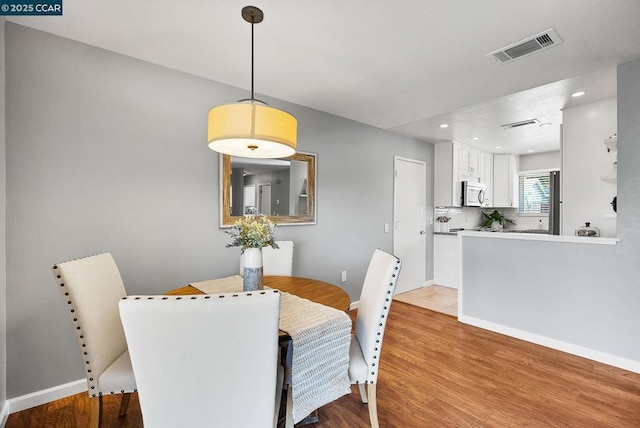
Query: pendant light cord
253, 16
252, 22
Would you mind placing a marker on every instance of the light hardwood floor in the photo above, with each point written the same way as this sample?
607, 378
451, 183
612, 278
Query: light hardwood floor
436, 372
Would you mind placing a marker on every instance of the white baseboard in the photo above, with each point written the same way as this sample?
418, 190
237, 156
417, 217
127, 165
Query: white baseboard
580, 351
46, 395
429, 283
4, 414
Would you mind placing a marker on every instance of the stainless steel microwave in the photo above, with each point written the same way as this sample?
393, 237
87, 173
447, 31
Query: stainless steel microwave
473, 194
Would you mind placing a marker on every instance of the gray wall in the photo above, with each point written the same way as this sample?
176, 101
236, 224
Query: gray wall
585, 295
3, 239
279, 190
108, 153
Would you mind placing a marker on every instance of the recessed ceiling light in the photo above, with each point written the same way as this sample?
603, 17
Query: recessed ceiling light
578, 93
545, 124
475, 138
498, 147
530, 151
444, 125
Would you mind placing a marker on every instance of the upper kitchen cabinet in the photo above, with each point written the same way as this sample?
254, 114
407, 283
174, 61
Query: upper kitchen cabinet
455, 163
469, 163
486, 177
448, 187
505, 181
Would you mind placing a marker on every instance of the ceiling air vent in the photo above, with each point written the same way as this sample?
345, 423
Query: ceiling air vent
519, 124
545, 40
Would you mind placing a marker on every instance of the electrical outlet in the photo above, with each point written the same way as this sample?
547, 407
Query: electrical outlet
343, 276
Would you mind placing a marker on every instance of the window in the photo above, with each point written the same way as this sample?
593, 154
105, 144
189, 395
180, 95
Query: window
533, 193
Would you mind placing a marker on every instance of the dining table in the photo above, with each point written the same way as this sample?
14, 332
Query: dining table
315, 325
315, 290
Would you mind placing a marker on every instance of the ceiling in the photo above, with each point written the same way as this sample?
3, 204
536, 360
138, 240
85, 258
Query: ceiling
405, 66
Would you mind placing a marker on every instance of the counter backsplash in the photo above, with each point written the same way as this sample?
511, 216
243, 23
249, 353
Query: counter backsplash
460, 217
470, 217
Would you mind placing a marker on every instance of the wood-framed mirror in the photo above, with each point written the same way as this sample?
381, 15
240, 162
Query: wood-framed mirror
284, 189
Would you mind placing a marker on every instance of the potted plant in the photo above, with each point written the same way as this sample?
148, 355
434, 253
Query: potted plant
495, 220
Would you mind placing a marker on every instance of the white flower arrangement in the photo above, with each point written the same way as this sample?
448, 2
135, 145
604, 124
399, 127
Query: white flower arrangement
253, 231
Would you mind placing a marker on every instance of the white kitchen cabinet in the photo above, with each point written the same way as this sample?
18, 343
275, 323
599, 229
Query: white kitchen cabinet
505, 181
448, 188
455, 163
469, 162
446, 260
486, 177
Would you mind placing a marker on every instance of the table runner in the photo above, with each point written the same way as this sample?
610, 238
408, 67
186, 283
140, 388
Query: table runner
321, 337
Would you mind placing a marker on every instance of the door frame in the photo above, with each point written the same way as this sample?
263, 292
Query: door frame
259, 196
395, 196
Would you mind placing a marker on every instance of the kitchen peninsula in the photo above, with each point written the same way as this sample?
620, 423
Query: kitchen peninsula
537, 288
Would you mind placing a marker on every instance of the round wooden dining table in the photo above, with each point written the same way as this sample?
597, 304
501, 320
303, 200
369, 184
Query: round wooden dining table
312, 289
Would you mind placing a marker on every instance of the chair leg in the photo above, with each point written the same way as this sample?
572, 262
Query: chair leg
96, 411
124, 404
288, 411
363, 393
373, 408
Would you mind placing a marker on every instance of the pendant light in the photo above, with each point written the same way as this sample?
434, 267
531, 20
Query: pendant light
250, 128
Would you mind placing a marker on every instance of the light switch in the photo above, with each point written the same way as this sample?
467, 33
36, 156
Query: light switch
386, 228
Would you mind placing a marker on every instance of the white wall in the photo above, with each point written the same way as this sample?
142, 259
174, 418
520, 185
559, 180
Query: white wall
585, 196
536, 162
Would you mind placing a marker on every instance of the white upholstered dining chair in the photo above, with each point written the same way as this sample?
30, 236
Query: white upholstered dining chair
373, 309
207, 360
92, 288
275, 261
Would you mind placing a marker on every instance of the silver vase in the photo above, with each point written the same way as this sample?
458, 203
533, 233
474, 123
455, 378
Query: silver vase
252, 280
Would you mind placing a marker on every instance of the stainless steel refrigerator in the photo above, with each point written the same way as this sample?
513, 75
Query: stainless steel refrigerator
554, 203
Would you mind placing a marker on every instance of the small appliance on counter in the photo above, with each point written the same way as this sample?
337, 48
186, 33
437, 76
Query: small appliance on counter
442, 224
588, 230
473, 194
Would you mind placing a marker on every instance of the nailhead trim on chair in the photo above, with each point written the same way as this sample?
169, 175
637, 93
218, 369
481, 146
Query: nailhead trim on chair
60, 280
206, 297
385, 312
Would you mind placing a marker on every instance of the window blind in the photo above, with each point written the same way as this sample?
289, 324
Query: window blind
533, 193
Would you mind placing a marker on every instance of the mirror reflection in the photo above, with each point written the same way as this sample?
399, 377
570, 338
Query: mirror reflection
283, 189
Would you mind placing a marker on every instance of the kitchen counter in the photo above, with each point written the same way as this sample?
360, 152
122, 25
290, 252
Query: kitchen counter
545, 289
451, 232
455, 231
540, 237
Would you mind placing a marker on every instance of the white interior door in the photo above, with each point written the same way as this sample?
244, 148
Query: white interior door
265, 199
409, 215
249, 199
